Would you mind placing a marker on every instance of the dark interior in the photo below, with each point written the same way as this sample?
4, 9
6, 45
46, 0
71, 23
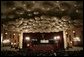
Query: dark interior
37, 45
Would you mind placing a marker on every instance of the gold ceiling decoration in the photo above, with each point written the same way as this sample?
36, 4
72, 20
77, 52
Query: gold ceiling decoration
43, 16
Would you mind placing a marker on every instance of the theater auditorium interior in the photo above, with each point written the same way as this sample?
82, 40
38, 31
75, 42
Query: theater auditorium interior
41, 28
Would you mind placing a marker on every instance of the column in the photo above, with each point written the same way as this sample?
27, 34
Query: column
21, 40
1, 39
65, 40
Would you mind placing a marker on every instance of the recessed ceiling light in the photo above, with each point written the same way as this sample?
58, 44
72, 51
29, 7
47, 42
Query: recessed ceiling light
29, 14
6, 33
14, 8
48, 8
33, 1
21, 12
62, 9
77, 11
75, 5
28, 10
43, 8
24, 5
57, 1
36, 12
14, 34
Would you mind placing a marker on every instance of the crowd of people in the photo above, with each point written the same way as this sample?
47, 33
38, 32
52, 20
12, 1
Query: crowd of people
50, 53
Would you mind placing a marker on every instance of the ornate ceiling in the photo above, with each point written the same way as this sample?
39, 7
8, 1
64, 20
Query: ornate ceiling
41, 16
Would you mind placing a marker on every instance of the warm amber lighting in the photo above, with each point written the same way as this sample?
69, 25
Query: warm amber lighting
27, 44
75, 5
6, 33
66, 33
24, 5
73, 31
14, 34
56, 37
14, 43
11, 43
62, 9
27, 38
71, 42
77, 11
36, 12
44, 41
14, 8
28, 10
76, 39
6, 41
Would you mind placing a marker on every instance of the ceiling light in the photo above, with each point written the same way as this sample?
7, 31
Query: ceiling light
73, 31
57, 1
36, 12
43, 8
77, 11
21, 13
66, 33
75, 5
28, 10
24, 5
14, 34
48, 8
6, 33
14, 8
26, 30
33, 1
29, 14
62, 9
71, 42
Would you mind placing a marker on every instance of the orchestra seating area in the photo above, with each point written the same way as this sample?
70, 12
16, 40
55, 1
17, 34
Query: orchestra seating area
49, 53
